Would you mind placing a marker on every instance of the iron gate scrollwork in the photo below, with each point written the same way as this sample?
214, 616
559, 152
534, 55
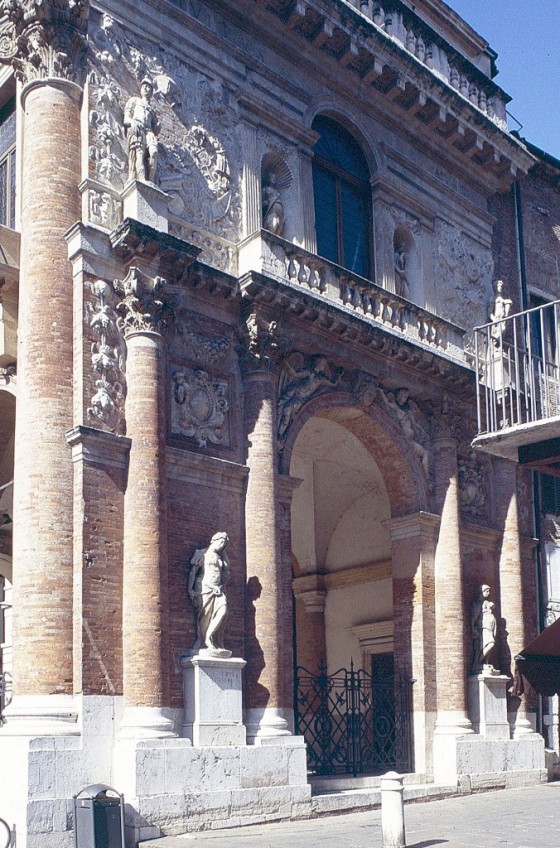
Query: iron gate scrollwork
352, 724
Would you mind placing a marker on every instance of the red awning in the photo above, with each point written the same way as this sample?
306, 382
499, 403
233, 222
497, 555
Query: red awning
539, 662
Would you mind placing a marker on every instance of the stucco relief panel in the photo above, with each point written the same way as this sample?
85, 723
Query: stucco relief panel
463, 276
198, 151
199, 406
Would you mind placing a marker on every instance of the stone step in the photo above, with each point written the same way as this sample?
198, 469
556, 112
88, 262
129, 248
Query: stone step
346, 800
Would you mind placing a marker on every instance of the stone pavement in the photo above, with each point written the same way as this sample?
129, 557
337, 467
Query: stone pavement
508, 818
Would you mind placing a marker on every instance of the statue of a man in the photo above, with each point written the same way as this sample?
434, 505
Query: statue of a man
483, 629
143, 127
208, 577
273, 209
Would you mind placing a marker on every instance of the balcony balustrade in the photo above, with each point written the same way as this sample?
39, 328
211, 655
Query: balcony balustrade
272, 256
518, 385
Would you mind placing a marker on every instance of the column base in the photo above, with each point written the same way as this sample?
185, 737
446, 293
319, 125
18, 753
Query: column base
146, 723
41, 715
268, 723
520, 724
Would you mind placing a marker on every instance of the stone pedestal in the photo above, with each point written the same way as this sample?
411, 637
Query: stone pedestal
488, 704
213, 700
146, 203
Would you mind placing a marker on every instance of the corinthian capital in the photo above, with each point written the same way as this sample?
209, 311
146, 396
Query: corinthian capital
142, 310
43, 38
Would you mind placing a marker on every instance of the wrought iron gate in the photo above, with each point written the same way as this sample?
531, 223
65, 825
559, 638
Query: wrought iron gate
352, 725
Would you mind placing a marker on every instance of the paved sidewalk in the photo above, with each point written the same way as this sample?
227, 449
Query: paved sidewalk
509, 818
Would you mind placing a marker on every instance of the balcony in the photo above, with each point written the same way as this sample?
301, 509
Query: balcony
328, 288
518, 388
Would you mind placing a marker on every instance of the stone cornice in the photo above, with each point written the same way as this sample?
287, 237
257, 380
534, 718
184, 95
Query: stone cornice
44, 39
97, 447
202, 470
135, 242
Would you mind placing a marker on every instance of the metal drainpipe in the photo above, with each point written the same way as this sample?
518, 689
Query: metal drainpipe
520, 245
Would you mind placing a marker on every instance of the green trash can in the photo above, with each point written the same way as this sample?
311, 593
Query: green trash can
99, 817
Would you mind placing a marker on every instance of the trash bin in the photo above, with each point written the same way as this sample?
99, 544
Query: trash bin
98, 817
5, 834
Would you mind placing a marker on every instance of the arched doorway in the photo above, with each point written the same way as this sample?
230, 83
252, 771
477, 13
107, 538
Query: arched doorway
7, 428
353, 702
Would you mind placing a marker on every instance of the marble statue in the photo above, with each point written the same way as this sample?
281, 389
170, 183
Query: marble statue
483, 630
208, 577
273, 209
500, 308
401, 281
143, 127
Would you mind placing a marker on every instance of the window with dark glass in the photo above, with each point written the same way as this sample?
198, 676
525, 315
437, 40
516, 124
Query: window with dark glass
8, 164
341, 190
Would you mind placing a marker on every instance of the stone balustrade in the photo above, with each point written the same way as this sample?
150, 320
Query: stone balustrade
271, 255
400, 22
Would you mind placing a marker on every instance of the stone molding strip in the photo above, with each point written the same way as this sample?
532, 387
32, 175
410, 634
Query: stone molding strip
205, 470
97, 447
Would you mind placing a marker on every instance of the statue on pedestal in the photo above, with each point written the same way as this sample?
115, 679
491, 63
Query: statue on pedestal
483, 630
272, 207
500, 308
143, 127
208, 577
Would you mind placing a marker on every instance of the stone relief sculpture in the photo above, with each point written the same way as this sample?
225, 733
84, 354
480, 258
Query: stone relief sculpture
483, 631
207, 580
500, 308
143, 127
301, 379
407, 413
199, 407
463, 270
107, 359
472, 488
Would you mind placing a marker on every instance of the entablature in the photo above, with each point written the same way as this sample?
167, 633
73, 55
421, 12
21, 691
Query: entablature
398, 55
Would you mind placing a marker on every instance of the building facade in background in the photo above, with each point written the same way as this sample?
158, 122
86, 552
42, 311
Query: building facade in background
244, 248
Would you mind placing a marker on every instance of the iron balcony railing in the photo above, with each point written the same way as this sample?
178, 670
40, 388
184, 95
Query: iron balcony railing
518, 369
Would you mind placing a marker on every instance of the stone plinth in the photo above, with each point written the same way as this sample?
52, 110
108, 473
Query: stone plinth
146, 203
488, 704
213, 700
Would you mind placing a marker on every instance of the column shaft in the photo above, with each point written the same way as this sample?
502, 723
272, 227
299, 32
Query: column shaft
269, 598
451, 660
145, 664
43, 467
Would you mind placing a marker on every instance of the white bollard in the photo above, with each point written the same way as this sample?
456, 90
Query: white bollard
392, 811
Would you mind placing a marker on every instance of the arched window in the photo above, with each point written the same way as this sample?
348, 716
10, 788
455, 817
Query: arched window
342, 196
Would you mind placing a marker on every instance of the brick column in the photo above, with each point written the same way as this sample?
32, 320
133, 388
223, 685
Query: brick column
268, 704
515, 636
145, 663
43, 473
451, 659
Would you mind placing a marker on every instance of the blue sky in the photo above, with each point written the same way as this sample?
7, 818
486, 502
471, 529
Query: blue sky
526, 36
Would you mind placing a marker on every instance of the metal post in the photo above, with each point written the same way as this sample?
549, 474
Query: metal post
392, 811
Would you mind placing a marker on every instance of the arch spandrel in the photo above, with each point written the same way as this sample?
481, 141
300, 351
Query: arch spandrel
393, 452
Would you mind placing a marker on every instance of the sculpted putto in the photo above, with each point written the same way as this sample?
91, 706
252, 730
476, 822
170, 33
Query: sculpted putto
208, 577
143, 127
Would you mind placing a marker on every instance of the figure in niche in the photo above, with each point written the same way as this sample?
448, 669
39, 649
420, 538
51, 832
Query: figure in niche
483, 631
208, 577
401, 281
304, 383
143, 127
273, 209
500, 308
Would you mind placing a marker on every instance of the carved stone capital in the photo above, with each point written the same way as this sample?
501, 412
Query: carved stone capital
262, 344
43, 38
142, 310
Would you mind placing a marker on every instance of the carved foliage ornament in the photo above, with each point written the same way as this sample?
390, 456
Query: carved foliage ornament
262, 343
199, 407
43, 38
107, 359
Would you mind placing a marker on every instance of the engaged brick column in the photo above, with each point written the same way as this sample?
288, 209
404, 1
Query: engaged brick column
451, 661
511, 590
145, 664
268, 703
42, 549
